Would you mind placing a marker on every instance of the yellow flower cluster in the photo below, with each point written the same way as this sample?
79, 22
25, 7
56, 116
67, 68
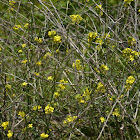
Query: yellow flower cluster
36, 73
12, 4
130, 54
52, 33
21, 114
36, 107
104, 68
76, 18
49, 109
26, 25
129, 82
56, 94
84, 97
10, 134
87, 94
5, 125
102, 119
37, 39
46, 55
24, 84
8, 86
100, 88
43, 135
91, 36
16, 27
77, 65
131, 41
23, 45
116, 112
24, 61
127, 1
69, 119
57, 39
63, 85
38, 63
99, 9
30, 125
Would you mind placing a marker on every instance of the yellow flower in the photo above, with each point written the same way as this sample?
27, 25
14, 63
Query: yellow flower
26, 25
36, 39
99, 9
131, 41
8, 86
16, 27
50, 78
49, 109
57, 50
87, 94
36, 73
24, 84
91, 36
24, 61
23, 45
76, 18
69, 119
37, 107
10, 134
99, 41
19, 51
130, 80
5, 124
43, 135
30, 125
38, 63
100, 88
102, 119
52, 33
63, 85
77, 65
47, 54
116, 113
22, 114
131, 58
11, 2
56, 94
40, 40
127, 1
57, 38
104, 68
139, 10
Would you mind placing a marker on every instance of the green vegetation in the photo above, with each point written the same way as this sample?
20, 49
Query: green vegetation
69, 69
